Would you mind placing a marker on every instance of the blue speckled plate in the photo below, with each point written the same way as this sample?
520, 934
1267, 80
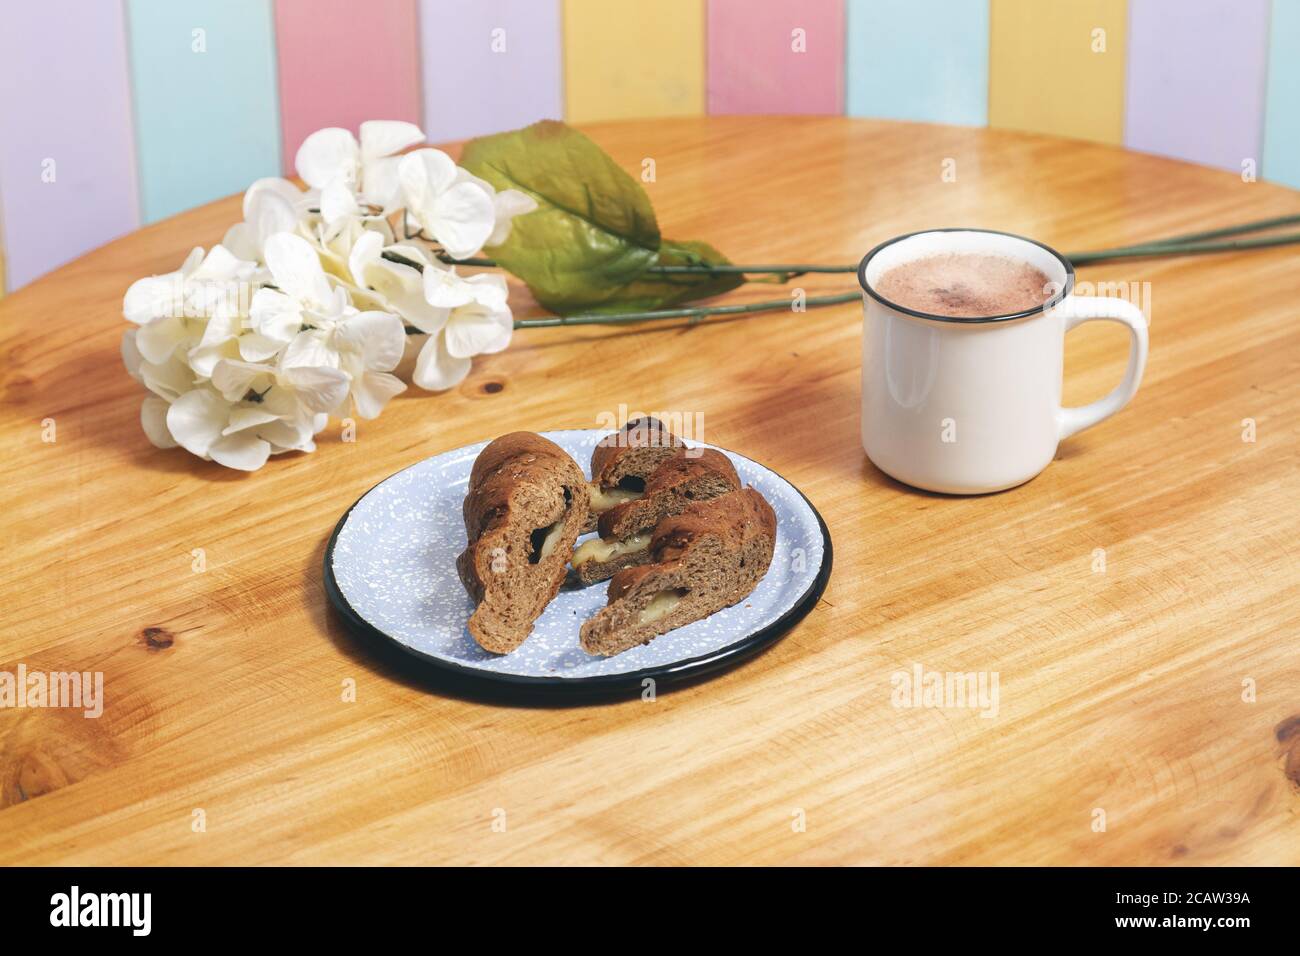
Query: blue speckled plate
390, 570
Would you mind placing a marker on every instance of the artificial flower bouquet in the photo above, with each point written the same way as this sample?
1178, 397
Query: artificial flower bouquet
307, 307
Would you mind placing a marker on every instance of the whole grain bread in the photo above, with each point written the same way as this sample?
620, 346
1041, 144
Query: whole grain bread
622, 461
688, 477
708, 557
525, 506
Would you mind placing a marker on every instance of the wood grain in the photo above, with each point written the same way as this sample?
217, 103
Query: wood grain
1120, 691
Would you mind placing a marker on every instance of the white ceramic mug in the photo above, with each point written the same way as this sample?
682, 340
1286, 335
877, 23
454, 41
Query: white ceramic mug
972, 405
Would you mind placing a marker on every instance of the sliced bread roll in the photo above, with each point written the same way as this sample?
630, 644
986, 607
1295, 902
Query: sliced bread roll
710, 556
526, 505
623, 461
690, 476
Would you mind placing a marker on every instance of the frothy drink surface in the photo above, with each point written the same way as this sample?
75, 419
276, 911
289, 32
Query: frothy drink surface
965, 285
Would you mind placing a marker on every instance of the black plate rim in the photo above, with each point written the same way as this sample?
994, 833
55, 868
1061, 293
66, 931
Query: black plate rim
691, 667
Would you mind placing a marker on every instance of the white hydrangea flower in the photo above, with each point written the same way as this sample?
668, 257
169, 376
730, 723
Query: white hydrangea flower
311, 324
476, 321
270, 205
311, 302
393, 286
240, 434
456, 212
347, 172
174, 311
365, 347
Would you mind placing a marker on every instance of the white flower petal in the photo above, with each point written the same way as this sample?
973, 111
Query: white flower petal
233, 378
381, 185
366, 251
463, 175
275, 315
424, 175
255, 347
296, 268
414, 345
153, 419
241, 239
204, 359
416, 312
489, 290
462, 219
386, 137
131, 356
309, 350
444, 289
195, 420
153, 298
319, 389
192, 262
247, 416
242, 452
218, 264
223, 325
325, 154
367, 300
169, 380
507, 204
473, 331
505, 328
288, 436
435, 369
378, 336
337, 201
372, 392
158, 340
410, 252
270, 212
286, 190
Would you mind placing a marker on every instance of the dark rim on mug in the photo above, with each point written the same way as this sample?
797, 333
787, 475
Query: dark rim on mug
968, 320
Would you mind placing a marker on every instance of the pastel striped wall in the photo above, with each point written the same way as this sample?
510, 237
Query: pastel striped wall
489, 65
1197, 70
771, 56
1058, 67
343, 62
626, 58
919, 60
1282, 116
67, 165
118, 112
204, 124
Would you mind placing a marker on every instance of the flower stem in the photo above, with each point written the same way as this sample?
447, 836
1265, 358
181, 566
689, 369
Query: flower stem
1192, 243
472, 261
1150, 249
1258, 225
695, 313
791, 269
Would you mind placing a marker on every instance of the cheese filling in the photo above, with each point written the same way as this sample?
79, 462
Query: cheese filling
598, 549
542, 542
602, 499
662, 604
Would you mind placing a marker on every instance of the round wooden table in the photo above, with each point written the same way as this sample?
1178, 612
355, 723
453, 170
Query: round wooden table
1139, 602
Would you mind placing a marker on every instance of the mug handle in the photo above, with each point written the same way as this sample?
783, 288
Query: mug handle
1080, 309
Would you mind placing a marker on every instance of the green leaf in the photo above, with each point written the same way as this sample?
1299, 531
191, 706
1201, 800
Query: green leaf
587, 246
652, 291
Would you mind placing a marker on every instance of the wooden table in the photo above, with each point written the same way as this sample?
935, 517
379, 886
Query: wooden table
1121, 690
